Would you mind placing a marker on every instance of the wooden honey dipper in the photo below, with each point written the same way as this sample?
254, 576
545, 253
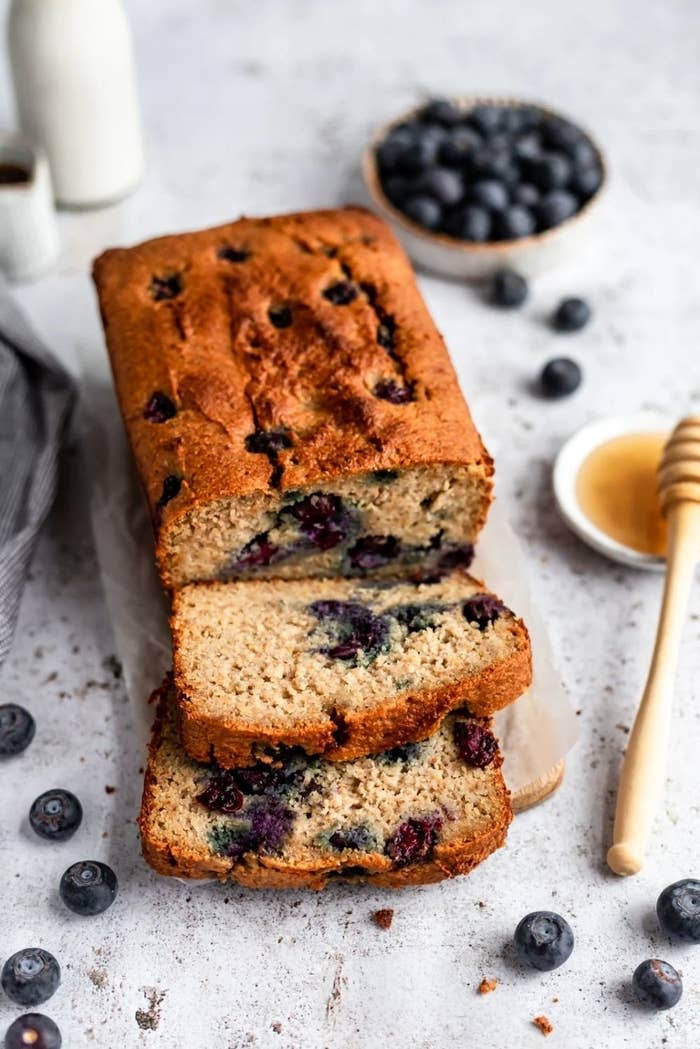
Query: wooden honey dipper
643, 769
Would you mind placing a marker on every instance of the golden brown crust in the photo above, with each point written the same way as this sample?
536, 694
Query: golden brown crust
407, 719
213, 351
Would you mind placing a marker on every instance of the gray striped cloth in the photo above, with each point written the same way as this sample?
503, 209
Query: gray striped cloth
36, 396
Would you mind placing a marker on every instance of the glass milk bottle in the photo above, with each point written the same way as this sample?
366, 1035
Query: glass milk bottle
75, 87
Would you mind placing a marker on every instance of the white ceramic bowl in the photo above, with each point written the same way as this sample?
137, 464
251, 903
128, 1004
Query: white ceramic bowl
460, 259
566, 470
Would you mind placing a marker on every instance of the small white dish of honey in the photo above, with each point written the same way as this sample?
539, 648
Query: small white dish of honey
605, 486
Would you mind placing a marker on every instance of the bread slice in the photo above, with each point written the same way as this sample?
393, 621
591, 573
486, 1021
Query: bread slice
339, 667
409, 816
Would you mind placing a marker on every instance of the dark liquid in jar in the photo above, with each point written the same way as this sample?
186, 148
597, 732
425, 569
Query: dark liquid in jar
13, 175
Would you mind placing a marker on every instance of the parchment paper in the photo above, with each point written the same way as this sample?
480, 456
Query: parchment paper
535, 732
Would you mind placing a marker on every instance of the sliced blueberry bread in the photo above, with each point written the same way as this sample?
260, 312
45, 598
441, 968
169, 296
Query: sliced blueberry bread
290, 403
411, 815
339, 667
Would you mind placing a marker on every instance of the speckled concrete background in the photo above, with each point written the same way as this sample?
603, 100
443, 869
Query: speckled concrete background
265, 106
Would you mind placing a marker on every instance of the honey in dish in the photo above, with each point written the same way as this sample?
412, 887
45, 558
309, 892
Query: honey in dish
616, 488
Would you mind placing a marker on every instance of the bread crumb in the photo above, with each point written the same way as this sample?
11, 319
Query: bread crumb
545, 1025
383, 918
486, 986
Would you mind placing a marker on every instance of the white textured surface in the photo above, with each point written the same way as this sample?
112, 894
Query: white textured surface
265, 106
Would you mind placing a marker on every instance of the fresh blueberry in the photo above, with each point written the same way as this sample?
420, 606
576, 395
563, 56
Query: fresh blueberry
17, 728
33, 1031
443, 184
442, 111
475, 744
678, 910
470, 223
560, 377
56, 815
571, 315
582, 153
88, 887
556, 207
423, 209
528, 148
397, 188
657, 984
489, 193
414, 840
419, 154
487, 119
516, 221
560, 134
390, 152
586, 181
525, 193
543, 940
30, 976
508, 289
550, 171
159, 408
461, 144
520, 120
491, 163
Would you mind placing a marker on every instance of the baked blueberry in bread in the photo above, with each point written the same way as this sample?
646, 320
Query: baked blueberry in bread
291, 406
408, 816
340, 667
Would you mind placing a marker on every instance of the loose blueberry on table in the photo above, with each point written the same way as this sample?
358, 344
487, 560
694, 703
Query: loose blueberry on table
33, 1030
508, 289
56, 815
678, 910
88, 887
543, 940
560, 377
489, 173
571, 315
30, 976
17, 728
657, 984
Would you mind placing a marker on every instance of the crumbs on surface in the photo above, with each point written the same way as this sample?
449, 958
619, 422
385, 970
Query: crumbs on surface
545, 1025
486, 986
383, 918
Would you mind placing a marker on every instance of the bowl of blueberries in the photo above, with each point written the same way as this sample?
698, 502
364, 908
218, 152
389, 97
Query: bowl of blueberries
475, 184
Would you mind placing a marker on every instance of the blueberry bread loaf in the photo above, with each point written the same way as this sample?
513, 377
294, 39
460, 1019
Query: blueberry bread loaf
291, 406
339, 667
412, 815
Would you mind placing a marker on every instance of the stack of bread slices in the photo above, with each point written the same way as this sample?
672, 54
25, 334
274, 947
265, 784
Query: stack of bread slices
316, 486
